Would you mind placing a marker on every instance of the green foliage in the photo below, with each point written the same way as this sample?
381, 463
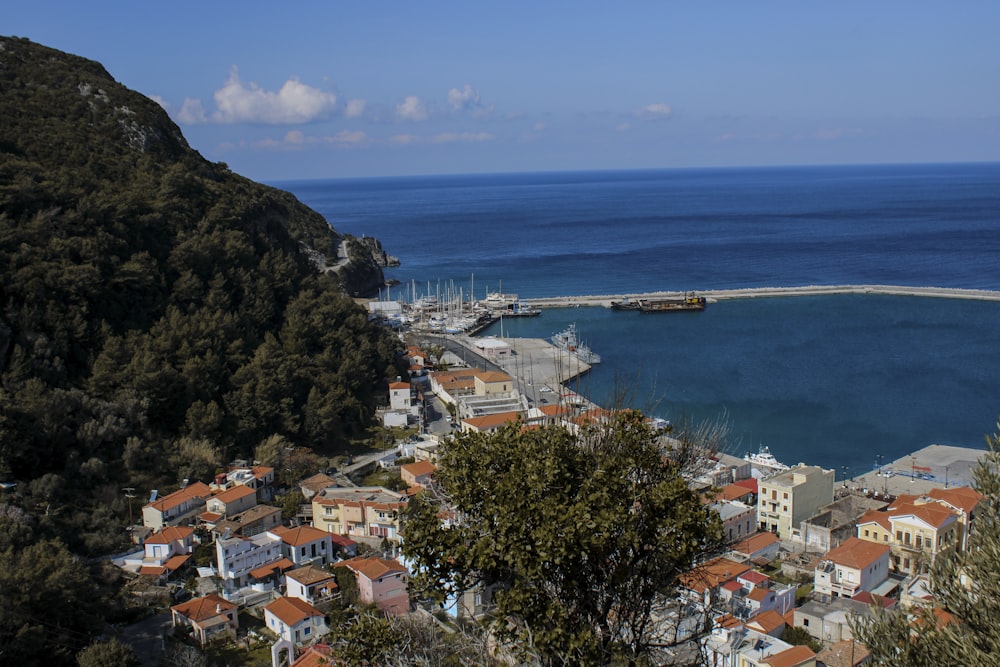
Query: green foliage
965, 587
800, 637
109, 653
583, 537
160, 316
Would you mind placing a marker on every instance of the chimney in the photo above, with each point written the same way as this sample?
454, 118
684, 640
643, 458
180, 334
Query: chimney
218, 608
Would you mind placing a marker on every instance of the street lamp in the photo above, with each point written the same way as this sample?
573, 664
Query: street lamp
946, 477
913, 468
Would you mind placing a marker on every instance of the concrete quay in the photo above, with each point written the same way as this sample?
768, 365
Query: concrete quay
933, 467
770, 292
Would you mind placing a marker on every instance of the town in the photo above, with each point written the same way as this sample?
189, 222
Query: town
804, 552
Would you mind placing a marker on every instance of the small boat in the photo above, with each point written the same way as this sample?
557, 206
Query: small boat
569, 340
625, 304
765, 459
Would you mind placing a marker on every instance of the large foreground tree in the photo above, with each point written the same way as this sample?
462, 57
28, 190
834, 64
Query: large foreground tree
582, 537
963, 627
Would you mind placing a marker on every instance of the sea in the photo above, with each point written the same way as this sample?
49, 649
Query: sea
840, 381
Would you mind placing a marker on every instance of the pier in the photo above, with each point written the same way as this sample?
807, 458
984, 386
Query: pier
770, 292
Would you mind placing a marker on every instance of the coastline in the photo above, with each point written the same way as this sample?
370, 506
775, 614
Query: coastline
771, 292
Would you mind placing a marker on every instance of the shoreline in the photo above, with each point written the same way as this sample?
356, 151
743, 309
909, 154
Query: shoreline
771, 292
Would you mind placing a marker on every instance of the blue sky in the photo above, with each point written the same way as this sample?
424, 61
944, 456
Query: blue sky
345, 89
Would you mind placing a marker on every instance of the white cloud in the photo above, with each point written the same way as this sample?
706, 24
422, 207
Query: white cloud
462, 137
657, 110
192, 112
297, 140
624, 127
355, 108
411, 108
404, 139
295, 102
467, 98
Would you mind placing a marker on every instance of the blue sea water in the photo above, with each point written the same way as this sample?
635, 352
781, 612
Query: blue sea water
829, 380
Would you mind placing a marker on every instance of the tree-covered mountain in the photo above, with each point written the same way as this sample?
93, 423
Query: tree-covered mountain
159, 314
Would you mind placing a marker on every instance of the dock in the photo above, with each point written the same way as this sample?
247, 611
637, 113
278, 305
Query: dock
713, 296
933, 467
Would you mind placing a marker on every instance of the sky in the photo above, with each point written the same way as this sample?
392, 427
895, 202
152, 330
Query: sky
336, 89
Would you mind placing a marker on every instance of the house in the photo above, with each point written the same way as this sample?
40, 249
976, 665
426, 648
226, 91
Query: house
253, 521
732, 644
702, 581
381, 582
317, 655
738, 519
359, 512
310, 486
759, 547
848, 653
208, 617
166, 551
489, 423
259, 478
796, 656
829, 622
232, 501
295, 620
418, 473
310, 584
916, 528
236, 557
768, 622
173, 508
305, 545
400, 396
788, 498
856, 565
834, 523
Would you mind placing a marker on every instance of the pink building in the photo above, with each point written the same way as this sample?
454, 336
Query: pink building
381, 582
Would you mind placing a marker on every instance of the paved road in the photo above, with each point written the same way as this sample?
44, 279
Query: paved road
146, 638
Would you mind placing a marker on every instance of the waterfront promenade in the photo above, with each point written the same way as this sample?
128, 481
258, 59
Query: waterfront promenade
770, 292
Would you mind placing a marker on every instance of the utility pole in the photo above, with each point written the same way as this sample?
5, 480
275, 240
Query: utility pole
129, 494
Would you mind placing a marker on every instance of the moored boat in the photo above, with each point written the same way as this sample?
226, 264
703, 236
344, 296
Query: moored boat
569, 340
765, 459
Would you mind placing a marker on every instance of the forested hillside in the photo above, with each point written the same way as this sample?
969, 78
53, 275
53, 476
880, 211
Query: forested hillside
161, 315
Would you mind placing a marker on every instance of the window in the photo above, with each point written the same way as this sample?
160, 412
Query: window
805, 622
784, 496
899, 536
919, 542
866, 532
774, 494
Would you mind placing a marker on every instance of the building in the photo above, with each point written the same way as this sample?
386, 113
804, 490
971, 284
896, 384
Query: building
738, 519
759, 548
359, 512
310, 584
295, 620
208, 617
166, 551
856, 565
173, 508
418, 473
829, 622
256, 520
701, 583
788, 498
381, 582
234, 500
236, 557
836, 522
916, 528
733, 644
305, 545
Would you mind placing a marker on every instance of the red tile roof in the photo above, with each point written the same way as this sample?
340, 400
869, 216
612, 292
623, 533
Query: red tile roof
317, 655
768, 621
399, 385
755, 543
754, 577
181, 496
292, 611
792, 657
267, 570
203, 608
300, 535
236, 493
492, 421
857, 553
711, 574
962, 497
419, 468
373, 568
170, 534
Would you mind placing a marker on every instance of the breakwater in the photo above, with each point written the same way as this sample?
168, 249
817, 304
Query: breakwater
771, 292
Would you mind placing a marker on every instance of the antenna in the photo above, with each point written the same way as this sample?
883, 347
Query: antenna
129, 492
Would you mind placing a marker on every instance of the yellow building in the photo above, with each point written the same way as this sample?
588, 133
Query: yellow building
790, 497
918, 528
